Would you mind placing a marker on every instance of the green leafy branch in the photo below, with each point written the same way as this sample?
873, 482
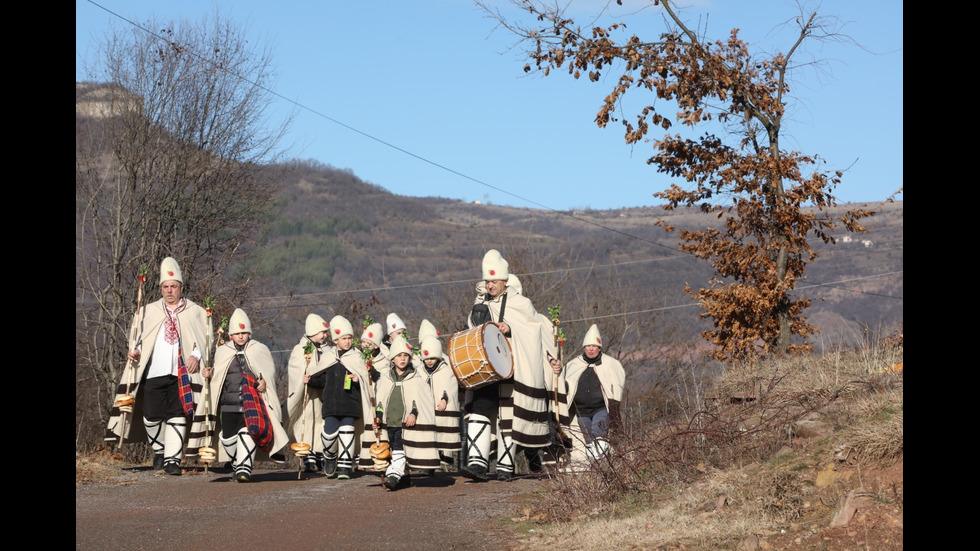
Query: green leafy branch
222, 329
365, 352
554, 312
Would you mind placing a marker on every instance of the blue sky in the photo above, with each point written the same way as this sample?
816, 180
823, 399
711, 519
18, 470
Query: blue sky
427, 97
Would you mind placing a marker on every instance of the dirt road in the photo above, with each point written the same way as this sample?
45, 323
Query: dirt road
143, 509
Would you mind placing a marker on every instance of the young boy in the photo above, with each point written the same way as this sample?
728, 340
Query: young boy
444, 387
345, 399
407, 412
303, 404
238, 363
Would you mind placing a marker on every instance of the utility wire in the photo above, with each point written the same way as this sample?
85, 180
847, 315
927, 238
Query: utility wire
324, 116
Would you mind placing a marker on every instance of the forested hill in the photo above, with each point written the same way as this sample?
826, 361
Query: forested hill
339, 241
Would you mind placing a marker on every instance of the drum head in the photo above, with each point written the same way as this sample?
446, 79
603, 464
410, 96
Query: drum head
498, 351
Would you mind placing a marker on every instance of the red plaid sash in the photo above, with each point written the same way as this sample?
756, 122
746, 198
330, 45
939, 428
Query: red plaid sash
256, 417
184, 385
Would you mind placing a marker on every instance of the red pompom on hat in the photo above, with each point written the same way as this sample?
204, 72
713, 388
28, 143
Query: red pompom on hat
494, 266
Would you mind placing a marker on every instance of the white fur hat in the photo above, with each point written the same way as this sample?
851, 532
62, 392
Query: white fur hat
399, 346
426, 329
515, 284
170, 271
373, 333
394, 323
239, 323
339, 326
315, 324
494, 266
431, 347
592, 337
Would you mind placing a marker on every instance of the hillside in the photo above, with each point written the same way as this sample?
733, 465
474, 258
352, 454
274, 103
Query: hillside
409, 253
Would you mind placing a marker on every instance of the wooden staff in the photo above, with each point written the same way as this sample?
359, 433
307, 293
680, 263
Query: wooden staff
308, 354
206, 453
559, 336
131, 365
208, 362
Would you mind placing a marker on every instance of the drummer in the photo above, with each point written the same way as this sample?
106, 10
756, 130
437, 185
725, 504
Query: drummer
510, 412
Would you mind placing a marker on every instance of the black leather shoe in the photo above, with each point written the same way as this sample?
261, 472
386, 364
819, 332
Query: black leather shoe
343, 474
157, 461
505, 476
243, 476
474, 472
391, 481
311, 466
172, 468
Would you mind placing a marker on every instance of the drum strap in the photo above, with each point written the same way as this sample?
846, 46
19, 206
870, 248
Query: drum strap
503, 306
481, 312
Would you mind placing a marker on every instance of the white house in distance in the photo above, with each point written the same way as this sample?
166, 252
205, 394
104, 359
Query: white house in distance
866, 242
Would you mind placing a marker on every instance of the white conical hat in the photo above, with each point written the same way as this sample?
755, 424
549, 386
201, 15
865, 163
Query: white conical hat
339, 326
431, 347
315, 324
394, 323
592, 337
399, 346
239, 323
170, 271
426, 329
494, 266
373, 333
515, 284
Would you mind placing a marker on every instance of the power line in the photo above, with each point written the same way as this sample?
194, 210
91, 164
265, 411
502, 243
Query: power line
856, 279
695, 304
375, 138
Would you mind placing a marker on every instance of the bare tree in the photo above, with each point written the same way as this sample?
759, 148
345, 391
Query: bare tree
736, 169
173, 151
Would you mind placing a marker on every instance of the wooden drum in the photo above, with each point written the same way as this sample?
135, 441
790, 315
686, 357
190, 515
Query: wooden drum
480, 356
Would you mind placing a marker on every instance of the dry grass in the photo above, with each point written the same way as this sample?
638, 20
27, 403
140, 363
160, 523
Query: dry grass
97, 467
737, 468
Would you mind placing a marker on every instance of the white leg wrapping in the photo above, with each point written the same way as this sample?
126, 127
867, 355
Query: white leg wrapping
245, 452
505, 453
597, 449
154, 436
478, 440
173, 439
345, 457
230, 444
602, 447
329, 442
397, 466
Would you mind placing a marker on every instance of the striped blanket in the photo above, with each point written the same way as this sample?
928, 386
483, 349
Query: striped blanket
256, 417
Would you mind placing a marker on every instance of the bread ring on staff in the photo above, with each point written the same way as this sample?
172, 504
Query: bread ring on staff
380, 450
125, 400
300, 448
